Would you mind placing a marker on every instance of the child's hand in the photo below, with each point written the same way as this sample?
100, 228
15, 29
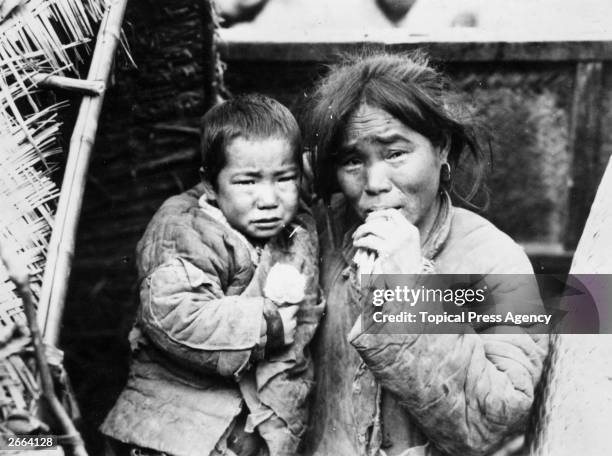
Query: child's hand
288, 316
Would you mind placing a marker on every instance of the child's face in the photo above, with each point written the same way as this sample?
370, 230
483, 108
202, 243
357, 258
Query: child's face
257, 189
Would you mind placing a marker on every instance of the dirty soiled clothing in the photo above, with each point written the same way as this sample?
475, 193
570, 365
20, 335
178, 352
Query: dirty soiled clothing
198, 351
427, 394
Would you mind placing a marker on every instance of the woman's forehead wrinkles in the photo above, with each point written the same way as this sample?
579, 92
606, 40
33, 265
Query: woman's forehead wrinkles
372, 126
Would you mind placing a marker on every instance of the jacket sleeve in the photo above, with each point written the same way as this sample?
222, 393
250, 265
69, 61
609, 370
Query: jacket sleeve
185, 313
467, 391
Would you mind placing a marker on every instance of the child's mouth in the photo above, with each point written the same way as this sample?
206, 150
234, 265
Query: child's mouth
267, 223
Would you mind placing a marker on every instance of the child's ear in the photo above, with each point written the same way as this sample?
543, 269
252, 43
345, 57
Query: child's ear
210, 191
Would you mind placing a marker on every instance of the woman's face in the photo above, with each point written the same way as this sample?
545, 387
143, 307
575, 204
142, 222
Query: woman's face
384, 164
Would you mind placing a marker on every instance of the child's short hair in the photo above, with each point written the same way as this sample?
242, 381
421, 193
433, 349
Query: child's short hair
251, 116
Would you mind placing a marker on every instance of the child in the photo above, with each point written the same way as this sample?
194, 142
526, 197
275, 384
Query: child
220, 357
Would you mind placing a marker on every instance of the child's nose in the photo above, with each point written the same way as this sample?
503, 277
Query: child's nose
267, 197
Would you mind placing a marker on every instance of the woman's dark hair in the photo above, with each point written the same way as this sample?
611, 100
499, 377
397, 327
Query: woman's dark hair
405, 86
250, 117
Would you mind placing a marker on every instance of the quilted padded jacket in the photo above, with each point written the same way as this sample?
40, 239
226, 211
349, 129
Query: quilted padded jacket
423, 394
198, 355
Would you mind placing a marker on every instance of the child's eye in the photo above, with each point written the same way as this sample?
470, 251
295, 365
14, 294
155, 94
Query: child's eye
287, 178
351, 162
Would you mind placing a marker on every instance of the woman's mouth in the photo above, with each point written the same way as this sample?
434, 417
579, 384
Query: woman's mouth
381, 208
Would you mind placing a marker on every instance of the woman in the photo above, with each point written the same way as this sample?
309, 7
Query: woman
385, 146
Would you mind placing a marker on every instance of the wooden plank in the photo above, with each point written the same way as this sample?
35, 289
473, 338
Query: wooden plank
449, 51
585, 146
574, 414
593, 252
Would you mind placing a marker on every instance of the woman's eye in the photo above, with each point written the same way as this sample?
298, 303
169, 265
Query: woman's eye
245, 182
395, 154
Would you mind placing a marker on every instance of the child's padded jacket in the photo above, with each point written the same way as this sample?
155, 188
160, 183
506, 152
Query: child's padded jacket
198, 333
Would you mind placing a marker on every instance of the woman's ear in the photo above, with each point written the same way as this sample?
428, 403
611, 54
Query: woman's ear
445, 169
444, 150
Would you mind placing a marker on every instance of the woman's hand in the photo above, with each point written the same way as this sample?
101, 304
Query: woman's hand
395, 240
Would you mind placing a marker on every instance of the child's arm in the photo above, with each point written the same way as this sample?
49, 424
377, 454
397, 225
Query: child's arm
185, 313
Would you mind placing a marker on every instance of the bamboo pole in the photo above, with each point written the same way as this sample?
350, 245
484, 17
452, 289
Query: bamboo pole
83, 86
19, 274
61, 245
209, 55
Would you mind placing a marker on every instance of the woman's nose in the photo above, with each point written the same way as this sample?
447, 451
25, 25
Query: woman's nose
267, 197
377, 180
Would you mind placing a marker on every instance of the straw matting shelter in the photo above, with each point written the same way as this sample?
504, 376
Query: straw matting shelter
36, 37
